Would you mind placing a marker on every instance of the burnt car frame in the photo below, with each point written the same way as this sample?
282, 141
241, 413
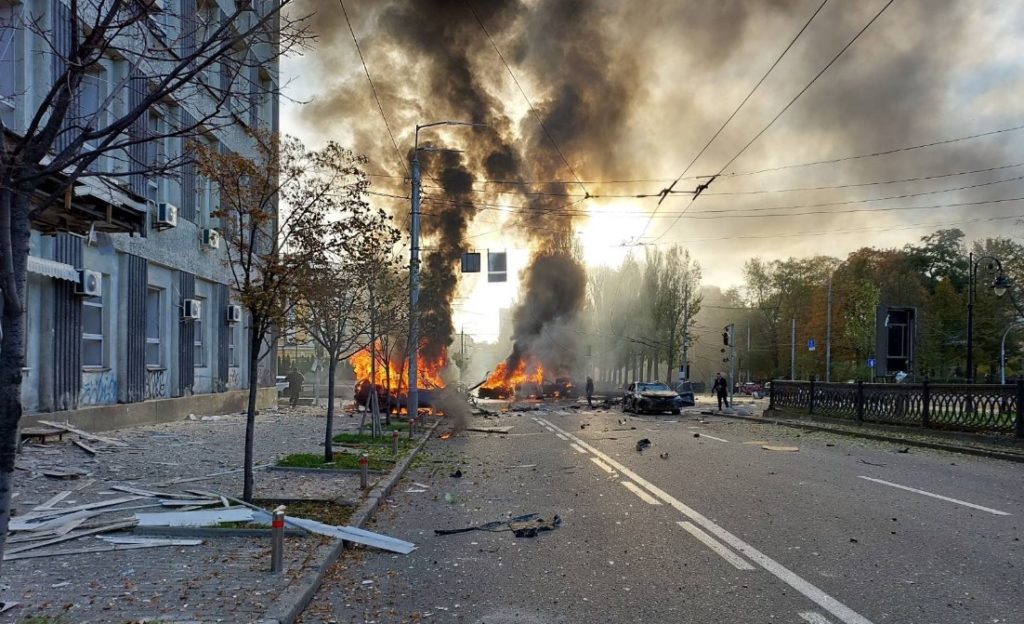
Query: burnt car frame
650, 396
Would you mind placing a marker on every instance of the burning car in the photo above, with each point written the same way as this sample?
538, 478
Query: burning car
561, 388
651, 396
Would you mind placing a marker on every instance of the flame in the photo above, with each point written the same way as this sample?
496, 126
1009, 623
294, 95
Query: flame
525, 372
392, 374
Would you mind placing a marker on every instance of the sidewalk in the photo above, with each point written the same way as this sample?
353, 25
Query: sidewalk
226, 578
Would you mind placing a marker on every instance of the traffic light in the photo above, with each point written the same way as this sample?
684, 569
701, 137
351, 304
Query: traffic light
725, 337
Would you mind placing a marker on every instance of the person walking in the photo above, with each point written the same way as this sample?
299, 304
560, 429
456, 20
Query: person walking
294, 380
590, 391
721, 390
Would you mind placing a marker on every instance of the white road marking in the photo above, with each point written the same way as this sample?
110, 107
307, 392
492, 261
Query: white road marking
830, 604
602, 465
644, 496
814, 618
704, 435
579, 449
560, 436
938, 496
716, 546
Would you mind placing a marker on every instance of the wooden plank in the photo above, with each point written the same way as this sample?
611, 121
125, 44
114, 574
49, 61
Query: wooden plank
82, 551
116, 526
53, 501
82, 434
85, 447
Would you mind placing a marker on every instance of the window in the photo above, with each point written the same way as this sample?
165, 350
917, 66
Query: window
199, 338
153, 312
232, 330
93, 327
9, 31
91, 95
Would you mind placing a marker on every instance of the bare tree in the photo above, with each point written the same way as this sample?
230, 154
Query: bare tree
75, 132
334, 289
269, 249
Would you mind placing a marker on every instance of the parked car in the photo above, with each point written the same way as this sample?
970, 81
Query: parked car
650, 396
750, 388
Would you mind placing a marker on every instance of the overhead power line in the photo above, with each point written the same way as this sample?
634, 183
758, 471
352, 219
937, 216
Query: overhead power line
373, 88
533, 110
787, 106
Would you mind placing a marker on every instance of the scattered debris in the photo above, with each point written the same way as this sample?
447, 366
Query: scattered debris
420, 485
106, 528
531, 529
829, 444
664, 455
445, 435
415, 491
871, 464
488, 430
62, 474
198, 518
905, 449
149, 541
53, 501
7, 606
528, 525
783, 449
642, 444
696, 435
457, 474
349, 534
523, 466
85, 447
449, 498
83, 434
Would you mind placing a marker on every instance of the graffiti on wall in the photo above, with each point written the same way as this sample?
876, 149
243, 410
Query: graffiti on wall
156, 384
234, 378
98, 388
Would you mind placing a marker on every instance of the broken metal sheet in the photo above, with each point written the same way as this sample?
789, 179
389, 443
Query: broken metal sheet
69, 510
151, 541
349, 534
53, 501
82, 434
494, 526
194, 502
116, 526
81, 551
204, 517
784, 449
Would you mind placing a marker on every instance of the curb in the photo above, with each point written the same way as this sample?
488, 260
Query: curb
296, 601
320, 471
966, 450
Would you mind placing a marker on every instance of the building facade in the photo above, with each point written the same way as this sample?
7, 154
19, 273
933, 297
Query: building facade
129, 293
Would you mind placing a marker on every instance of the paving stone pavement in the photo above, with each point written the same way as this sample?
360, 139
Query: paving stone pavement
224, 580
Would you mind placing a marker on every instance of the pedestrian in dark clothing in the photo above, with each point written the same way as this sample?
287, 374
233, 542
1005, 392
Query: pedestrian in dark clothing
590, 392
721, 390
294, 380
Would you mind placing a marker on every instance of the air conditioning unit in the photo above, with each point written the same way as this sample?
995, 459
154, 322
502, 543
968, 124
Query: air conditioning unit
234, 314
166, 216
211, 238
191, 309
90, 283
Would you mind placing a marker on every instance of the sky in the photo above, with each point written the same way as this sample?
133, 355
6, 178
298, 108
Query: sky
602, 102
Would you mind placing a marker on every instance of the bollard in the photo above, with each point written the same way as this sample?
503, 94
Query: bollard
277, 541
364, 467
394, 443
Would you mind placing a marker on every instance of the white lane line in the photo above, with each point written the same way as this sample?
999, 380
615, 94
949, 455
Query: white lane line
644, 496
602, 465
716, 546
704, 435
814, 618
579, 449
938, 496
560, 436
830, 604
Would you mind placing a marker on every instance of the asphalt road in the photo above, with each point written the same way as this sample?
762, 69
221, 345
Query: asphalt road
721, 530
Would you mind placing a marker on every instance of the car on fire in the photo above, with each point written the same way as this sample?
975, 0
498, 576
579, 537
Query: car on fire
650, 396
560, 388
363, 390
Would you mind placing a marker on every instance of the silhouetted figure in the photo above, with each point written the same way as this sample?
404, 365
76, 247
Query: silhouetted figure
721, 390
294, 380
590, 392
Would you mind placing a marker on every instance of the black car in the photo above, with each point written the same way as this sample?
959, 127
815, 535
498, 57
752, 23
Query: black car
650, 396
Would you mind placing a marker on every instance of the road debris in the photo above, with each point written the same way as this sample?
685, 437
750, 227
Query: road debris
642, 444
871, 464
198, 518
457, 474
905, 449
664, 455
445, 435
528, 525
782, 449
347, 533
489, 429
83, 434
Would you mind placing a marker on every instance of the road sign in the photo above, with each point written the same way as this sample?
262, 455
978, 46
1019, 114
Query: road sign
811, 345
871, 362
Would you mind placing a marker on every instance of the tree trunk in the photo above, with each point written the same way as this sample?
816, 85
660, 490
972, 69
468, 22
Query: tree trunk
387, 382
250, 412
12, 349
332, 368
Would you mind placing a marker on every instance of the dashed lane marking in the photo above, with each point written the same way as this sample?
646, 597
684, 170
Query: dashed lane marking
784, 574
704, 435
602, 465
561, 437
814, 618
717, 547
578, 448
938, 496
644, 496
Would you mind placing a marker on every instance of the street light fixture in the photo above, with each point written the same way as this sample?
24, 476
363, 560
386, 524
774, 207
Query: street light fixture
999, 287
414, 266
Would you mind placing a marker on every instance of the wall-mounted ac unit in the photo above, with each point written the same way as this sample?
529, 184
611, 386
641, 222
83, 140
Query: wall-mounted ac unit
234, 314
166, 216
191, 309
211, 238
90, 283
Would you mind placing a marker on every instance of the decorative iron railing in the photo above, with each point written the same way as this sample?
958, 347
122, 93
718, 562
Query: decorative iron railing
952, 406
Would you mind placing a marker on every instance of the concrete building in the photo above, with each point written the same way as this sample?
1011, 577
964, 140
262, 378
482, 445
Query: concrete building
130, 311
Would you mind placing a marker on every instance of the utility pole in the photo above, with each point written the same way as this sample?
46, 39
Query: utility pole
414, 285
748, 350
792, 351
732, 360
828, 335
684, 371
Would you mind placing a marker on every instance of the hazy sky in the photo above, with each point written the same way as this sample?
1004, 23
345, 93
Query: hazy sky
630, 96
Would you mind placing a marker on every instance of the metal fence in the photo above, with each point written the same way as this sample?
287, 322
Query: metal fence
969, 407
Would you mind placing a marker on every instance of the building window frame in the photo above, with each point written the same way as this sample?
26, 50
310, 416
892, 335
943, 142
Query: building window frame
91, 306
154, 325
199, 325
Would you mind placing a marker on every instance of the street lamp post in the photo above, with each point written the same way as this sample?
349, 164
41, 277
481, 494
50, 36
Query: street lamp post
1002, 349
414, 266
999, 287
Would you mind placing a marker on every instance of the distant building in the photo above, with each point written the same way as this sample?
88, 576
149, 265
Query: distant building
130, 313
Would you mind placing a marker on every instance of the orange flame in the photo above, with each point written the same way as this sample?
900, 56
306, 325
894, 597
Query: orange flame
393, 374
532, 372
